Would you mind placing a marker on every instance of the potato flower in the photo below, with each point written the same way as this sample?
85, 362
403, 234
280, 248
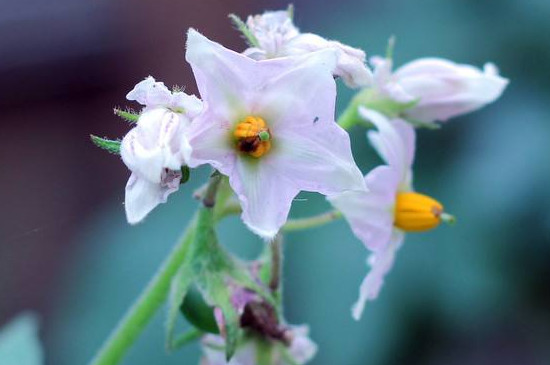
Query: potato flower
381, 214
269, 125
157, 147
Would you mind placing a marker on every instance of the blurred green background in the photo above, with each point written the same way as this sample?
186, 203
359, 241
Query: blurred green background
475, 293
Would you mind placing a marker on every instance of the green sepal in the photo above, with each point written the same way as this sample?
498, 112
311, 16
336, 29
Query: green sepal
370, 99
290, 11
186, 338
178, 290
241, 26
109, 145
198, 312
128, 115
185, 174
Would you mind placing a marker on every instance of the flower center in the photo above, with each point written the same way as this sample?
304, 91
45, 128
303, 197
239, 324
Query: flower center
252, 136
416, 212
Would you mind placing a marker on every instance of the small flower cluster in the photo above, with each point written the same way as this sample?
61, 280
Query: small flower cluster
266, 121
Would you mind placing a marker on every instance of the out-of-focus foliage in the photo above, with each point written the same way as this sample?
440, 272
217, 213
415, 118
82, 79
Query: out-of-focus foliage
19, 342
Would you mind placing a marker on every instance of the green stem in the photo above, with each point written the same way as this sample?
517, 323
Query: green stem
311, 222
350, 116
139, 315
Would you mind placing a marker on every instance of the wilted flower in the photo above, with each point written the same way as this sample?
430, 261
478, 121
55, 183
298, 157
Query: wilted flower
300, 351
380, 215
277, 36
442, 89
269, 126
157, 147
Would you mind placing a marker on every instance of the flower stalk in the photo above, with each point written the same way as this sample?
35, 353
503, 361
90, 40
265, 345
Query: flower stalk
148, 303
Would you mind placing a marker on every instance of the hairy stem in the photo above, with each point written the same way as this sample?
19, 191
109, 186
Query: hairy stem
140, 314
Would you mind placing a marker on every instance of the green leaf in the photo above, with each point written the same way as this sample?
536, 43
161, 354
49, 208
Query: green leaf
198, 312
178, 290
128, 115
111, 146
241, 26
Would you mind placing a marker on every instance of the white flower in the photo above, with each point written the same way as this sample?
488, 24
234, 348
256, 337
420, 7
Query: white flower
381, 214
442, 89
157, 147
269, 126
278, 37
301, 350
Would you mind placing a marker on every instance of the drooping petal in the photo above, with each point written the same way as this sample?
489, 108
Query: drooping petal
394, 140
158, 141
302, 348
386, 84
272, 29
350, 65
381, 263
142, 195
446, 89
265, 196
150, 93
370, 212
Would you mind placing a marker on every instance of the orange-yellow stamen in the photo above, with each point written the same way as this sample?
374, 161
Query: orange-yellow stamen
416, 212
253, 136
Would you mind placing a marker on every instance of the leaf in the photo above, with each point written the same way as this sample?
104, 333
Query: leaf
128, 115
198, 312
178, 289
241, 26
111, 146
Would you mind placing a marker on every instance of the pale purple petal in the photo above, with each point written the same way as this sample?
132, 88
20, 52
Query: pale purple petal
381, 263
150, 93
227, 80
318, 160
265, 196
446, 89
350, 65
394, 140
302, 348
158, 141
142, 195
370, 212
272, 29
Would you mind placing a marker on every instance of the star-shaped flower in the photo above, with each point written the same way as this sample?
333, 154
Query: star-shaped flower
269, 126
381, 214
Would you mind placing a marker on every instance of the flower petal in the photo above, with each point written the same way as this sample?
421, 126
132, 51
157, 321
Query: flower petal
381, 263
394, 141
317, 158
150, 93
446, 89
370, 212
265, 196
142, 195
